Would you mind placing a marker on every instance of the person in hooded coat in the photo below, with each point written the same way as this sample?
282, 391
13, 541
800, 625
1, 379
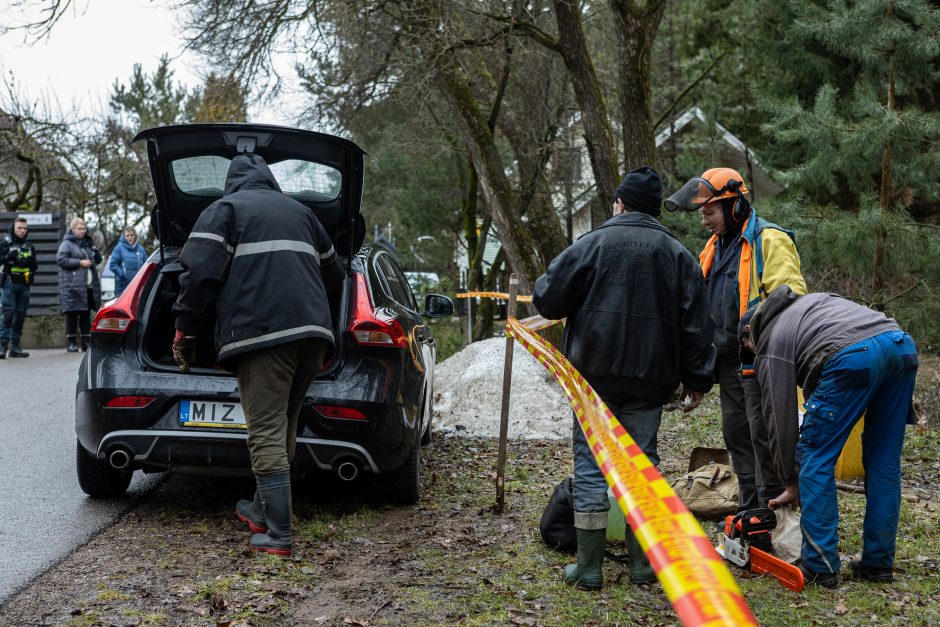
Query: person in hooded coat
79, 284
264, 262
126, 260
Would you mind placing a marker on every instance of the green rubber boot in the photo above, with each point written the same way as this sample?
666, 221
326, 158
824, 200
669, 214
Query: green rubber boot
588, 573
640, 570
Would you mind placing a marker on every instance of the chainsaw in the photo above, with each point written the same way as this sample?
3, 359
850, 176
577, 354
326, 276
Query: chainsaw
746, 542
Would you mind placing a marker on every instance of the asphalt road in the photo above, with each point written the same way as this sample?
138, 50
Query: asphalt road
44, 514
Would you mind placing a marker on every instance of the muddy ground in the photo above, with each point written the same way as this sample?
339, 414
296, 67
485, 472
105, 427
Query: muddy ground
181, 558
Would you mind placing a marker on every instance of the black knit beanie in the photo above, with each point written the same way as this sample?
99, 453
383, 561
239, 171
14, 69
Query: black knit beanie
642, 190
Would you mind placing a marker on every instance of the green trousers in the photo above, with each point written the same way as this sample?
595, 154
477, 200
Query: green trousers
273, 383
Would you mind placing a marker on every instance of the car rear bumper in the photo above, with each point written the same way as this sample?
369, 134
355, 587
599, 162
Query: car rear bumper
226, 452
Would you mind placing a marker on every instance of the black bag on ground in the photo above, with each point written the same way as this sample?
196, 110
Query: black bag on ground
557, 524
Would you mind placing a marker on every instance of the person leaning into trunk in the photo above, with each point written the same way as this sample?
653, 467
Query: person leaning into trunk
745, 259
79, 285
848, 359
638, 326
17, 272
264, 262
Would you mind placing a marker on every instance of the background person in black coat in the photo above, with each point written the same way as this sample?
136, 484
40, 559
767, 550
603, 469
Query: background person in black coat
638, 326
79, 284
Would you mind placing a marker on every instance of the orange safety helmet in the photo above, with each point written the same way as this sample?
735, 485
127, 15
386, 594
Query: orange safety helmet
714, 184
721, 183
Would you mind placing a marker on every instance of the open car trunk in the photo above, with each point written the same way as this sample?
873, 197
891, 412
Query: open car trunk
161, 324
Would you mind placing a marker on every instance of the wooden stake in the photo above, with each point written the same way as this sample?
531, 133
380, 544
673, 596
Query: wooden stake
504, 413
470, 320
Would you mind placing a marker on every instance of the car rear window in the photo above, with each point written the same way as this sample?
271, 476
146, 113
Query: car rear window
304, 180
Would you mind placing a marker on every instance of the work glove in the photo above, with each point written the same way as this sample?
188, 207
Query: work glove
184, 350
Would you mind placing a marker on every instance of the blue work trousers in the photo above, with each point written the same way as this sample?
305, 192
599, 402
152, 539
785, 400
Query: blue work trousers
641, 420
876, 375
14, 301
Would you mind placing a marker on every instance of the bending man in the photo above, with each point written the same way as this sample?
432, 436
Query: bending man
848, 359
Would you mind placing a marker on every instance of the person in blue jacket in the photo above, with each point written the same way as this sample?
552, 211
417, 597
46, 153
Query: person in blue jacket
126, 260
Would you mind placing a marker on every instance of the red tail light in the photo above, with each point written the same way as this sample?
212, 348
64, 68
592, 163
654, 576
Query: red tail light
119, 315
135, 402
372, 328
332, 411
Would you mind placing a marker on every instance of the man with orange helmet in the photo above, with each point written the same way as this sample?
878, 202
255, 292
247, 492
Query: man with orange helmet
745, 259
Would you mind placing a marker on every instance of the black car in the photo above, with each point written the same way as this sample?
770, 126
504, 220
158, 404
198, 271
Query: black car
369, 411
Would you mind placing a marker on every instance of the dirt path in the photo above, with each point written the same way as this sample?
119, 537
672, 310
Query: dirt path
181, 558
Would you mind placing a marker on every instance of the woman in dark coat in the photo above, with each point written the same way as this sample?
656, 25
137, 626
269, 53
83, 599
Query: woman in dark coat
79, 285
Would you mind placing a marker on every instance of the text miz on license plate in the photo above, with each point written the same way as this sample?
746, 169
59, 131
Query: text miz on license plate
211, 414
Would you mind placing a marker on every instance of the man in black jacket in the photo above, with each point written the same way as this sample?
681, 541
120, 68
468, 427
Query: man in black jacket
265, 262
638, 326
17, 272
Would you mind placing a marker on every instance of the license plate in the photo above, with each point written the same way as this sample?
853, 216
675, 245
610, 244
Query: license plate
212, 414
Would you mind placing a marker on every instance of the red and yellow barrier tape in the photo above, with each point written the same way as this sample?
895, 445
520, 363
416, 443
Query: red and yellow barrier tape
522, 298
694, 577
537, 323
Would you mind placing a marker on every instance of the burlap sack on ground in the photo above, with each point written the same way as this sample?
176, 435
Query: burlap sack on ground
710, 491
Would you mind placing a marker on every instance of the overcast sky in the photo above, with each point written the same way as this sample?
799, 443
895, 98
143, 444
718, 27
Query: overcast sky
95, 43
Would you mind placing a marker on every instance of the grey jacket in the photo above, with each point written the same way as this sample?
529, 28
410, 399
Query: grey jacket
73, 279
793, 344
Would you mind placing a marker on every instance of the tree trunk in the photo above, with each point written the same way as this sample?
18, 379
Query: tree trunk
517, 242
636, 29
885, 191
598, 135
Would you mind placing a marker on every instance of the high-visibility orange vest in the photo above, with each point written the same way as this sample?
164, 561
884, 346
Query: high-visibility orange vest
707, 257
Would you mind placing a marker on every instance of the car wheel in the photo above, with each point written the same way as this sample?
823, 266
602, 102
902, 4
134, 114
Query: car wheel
402, 487
96, 478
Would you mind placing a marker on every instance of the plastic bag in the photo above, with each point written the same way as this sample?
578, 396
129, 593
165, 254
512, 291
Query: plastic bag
787, 539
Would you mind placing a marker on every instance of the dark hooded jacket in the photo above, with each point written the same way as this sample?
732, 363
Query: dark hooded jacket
17, 258
263, 261
74, 280
637, 309
126, 261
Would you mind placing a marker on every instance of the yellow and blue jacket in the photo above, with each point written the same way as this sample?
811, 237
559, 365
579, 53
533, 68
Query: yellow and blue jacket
768, 259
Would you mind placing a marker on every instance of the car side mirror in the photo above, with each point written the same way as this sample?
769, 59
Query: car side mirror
438, 306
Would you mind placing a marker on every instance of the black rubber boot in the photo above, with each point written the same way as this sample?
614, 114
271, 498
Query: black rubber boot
16, 351
871, 573
274, 490
86, 341
3, 350
72, 347
640, 570
252, 513
588, 573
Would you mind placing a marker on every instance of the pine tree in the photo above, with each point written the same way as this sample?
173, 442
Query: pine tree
867, 145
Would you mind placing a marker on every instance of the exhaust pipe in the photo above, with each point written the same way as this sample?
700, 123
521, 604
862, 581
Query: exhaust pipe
347, 471
120, 458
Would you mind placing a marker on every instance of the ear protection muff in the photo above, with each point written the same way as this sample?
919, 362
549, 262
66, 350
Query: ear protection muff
741, 208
